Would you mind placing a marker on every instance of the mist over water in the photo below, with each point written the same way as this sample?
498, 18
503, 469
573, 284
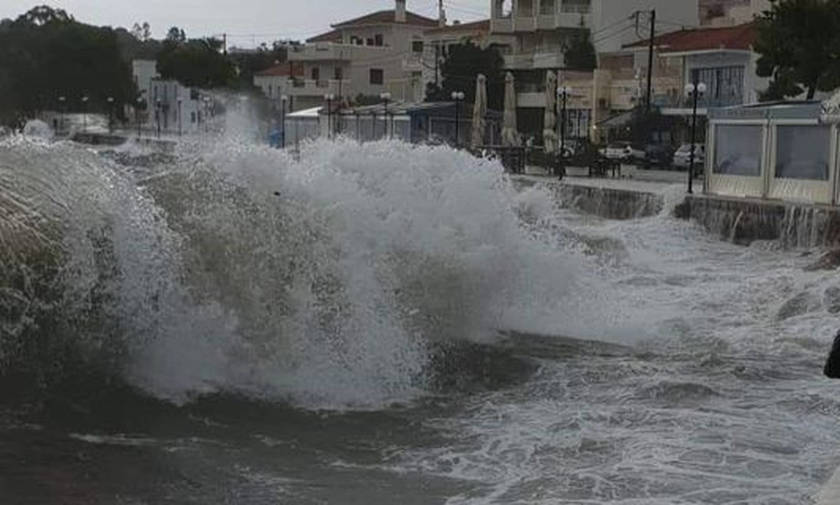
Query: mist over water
399, 316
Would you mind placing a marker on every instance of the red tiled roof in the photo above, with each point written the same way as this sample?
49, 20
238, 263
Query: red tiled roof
330, 36
483, 25
739, 37
283, 69
387, 17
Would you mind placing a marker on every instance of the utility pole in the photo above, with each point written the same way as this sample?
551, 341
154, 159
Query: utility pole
650, 60
437, 59
224, 43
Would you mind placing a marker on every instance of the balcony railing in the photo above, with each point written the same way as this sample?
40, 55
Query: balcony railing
684, 102
308, 87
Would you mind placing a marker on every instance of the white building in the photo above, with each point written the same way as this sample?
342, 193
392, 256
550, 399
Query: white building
170, 107
376, 53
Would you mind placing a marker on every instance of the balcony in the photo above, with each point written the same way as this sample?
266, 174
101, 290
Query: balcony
327, 51
308, 87
525, 24
501, 25
535, 61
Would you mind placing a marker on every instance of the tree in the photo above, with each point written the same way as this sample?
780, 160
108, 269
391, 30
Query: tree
460, 70
176, 34
580, 53
799, 46
196, 62
41, 54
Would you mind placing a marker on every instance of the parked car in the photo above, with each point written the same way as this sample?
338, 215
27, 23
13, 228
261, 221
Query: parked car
659, 156
624, 151
683, 156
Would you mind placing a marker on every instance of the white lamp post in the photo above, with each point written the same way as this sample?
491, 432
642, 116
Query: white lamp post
457, 97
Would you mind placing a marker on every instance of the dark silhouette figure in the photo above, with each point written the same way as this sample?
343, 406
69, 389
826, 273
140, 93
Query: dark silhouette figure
832, 365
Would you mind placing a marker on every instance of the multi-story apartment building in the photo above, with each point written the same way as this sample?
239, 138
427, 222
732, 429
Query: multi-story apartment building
533, 35
376, 53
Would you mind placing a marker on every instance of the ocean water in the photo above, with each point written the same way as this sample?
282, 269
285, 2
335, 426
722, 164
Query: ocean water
383, 322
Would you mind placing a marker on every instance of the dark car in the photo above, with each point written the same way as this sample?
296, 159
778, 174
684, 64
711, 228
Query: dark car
659, 156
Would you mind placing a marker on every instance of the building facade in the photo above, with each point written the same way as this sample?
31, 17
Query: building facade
534, 34
169, 107
376, 53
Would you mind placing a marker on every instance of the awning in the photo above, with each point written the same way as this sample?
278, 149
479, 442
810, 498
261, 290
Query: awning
617, 121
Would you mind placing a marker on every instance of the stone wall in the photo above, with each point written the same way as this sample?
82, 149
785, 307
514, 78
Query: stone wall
746, 220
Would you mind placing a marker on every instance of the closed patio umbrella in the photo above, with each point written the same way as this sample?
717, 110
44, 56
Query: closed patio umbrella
510, 137
479, 123
550, 119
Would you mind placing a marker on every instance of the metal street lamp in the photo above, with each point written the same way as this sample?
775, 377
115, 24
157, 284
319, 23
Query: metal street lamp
110, 100
180, 125
137, 115
563, 93
283, 100
694, 91
458, 97
386, 97
157, 115
329, 97
62, 99
84, 113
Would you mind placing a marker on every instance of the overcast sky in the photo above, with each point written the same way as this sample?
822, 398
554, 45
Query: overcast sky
247, 21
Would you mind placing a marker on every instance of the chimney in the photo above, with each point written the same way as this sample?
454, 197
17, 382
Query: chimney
399, 13
441, 15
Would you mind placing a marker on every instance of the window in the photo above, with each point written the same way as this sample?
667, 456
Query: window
738, 150
802, 152
378, 40
192, 117
316, 73
377, 76
339, 73
370, 42
270, 91
417, 46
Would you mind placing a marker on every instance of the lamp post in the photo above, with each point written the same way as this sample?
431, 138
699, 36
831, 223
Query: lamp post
110, 114
563, 93
458, 97
180, 125
84, 113
62, 99
137, 115
329, 97
694, 91
386, 97
157, 116
283, 100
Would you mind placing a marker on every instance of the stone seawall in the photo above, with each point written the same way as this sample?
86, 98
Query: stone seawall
743, 220
607, 202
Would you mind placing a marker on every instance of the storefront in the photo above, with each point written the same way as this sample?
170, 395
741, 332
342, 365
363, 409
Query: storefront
781, 151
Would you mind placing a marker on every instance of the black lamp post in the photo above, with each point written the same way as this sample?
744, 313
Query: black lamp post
110, 100
283, 100
62, 99
84, 113
563, 93
458, 97
694, 91
386, 97
157, 116
329, 98
137, 116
